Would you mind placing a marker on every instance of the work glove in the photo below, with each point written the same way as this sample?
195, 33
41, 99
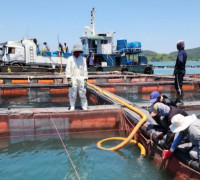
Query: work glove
166, 154
85, 83
69, 82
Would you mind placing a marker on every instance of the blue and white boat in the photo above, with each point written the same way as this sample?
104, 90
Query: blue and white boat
107, 57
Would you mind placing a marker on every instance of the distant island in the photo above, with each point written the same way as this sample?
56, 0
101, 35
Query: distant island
193, 55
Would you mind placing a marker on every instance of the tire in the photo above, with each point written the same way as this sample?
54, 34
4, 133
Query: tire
124, 69
147, 70
16, 64
99, 69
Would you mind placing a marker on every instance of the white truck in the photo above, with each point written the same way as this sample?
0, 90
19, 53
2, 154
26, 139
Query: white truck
25, 53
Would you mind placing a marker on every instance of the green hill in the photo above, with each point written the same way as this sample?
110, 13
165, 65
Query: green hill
153, 56
193, 55
147, 52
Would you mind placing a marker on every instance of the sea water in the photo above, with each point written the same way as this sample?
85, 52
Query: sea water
169, 71
44, 158
133, 97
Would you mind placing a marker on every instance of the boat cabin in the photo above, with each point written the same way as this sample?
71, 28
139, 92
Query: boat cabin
98, 43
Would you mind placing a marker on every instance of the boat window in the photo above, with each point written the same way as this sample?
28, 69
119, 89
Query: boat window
11, 50
83, 41
1, 52
104, 41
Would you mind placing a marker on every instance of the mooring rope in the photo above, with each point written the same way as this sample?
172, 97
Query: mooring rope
65, 149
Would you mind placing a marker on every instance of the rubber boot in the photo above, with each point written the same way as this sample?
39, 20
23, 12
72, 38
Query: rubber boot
72, 104
84, 103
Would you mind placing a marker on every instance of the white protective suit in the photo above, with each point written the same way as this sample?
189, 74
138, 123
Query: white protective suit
76, 69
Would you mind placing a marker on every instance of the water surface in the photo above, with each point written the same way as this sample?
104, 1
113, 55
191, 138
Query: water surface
45, 158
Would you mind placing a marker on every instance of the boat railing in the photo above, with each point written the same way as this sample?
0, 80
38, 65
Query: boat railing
130, 50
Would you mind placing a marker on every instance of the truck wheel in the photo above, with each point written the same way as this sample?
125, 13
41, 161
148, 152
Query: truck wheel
17, 65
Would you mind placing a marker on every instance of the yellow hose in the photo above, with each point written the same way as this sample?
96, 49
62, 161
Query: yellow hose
142, 149
136, 128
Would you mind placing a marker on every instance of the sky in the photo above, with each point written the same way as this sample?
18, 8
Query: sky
157, 24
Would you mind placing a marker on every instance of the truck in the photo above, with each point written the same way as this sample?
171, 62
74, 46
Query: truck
26, 53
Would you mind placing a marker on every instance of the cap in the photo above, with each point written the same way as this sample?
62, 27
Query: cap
153, 96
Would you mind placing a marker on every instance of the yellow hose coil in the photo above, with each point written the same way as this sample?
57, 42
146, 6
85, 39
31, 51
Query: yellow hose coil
136, 128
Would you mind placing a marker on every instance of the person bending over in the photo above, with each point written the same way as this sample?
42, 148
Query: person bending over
185, 126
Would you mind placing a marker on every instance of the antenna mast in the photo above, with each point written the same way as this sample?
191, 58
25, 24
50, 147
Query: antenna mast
92, 22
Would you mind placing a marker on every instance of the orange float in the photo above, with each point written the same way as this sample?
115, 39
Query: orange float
13, 92
111, 122
59, 91
115, 80
138, 80
149, 89
188, 87
45, 81
97, 123
21, 81
94, 123
76, 124
110, 89
91, 80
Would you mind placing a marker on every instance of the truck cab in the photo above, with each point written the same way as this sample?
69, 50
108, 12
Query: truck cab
12, 52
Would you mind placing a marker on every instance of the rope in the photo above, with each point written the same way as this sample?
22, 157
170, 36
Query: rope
65, 149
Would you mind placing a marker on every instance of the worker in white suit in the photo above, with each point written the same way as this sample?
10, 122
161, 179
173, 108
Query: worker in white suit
77, 75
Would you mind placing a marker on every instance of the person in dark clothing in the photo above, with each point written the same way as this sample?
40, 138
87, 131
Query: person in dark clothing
46, 47
188, 126
168, 112
60, 47
65, 48
179, 70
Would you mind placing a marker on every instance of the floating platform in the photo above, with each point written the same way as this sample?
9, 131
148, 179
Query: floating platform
104, 113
